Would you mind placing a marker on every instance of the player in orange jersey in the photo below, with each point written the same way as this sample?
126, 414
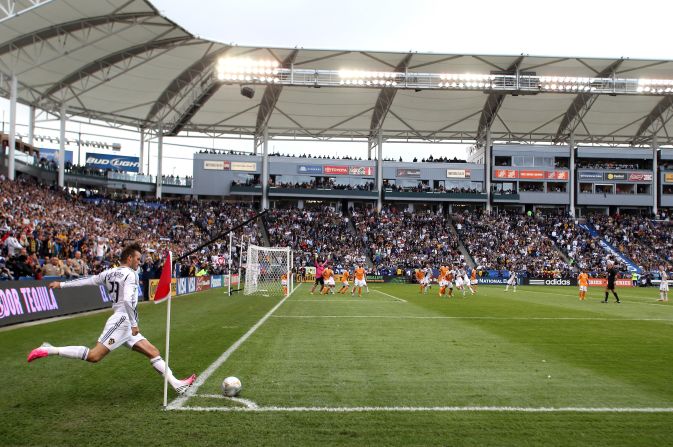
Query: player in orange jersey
283, 282
420, 277
328, 278
583, 281
344, 281
441, 280
360, 280
449, 281
473, 279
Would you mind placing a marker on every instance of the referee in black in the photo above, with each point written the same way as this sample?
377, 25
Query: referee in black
612, 274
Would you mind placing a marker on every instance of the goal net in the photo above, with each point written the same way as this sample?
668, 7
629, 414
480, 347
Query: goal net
266, 270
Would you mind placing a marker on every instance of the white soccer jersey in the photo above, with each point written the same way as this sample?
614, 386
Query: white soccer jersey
664, 282
121, 284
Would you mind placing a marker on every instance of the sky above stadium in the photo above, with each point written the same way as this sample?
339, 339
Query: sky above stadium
571, 28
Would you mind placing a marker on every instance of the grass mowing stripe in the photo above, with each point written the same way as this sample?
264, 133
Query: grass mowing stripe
179, 401
437, 409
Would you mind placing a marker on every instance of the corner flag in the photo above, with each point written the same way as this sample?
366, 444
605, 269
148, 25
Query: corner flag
164, 287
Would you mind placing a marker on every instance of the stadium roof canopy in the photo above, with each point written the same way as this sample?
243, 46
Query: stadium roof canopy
120, 61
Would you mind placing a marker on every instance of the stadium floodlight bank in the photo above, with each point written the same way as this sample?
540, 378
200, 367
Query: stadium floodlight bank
233, 70
264, 271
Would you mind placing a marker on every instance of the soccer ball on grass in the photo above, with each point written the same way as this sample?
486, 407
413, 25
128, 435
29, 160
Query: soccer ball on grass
231, 386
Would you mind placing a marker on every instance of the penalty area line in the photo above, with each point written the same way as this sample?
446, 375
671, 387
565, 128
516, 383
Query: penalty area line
436, 409
391, 296
179, 401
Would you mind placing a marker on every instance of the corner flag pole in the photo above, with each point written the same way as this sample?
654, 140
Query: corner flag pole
168, 340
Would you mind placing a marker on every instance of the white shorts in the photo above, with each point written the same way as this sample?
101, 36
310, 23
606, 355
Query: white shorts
283, 282
583, 288
466, 281
443, 283
329, 282
344, 283
425, 281
663, 287
473, 281
117, 332
360, 283
459, 282
511, 281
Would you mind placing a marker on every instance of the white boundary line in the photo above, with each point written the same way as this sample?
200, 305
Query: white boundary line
337, 300
411, 317
179, 401
391, 296
436, 409
248, 403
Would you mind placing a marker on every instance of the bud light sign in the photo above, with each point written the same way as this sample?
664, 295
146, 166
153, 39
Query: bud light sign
113, 162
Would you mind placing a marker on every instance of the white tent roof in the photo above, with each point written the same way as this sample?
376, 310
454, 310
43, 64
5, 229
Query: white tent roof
120, 61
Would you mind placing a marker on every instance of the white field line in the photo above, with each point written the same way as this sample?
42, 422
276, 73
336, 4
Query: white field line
391, 296
248, 403
180, 400
411, 317
438, 409
337, 300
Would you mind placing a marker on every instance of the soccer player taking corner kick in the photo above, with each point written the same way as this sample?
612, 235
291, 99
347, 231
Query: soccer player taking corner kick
121, 329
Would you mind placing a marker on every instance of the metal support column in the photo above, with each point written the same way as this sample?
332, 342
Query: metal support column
160, 154
571, 174
487, 170
31, 126
655, 176
141, 164
61, 150
379, 171
11, 167
254, 147
265, 171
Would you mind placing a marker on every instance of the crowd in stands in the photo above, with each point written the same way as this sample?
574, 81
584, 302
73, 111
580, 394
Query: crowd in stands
510, 241
400, 239
645, 242
600, 164
317, 183
69, 168
45, 231
422, 187
320, 230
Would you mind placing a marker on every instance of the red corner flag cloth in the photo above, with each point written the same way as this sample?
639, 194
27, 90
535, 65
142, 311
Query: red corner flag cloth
164, 287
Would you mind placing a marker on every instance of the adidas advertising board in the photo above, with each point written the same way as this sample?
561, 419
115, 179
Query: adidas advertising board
550, 282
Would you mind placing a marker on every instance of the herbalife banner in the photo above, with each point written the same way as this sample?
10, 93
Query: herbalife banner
114, 162
22, 301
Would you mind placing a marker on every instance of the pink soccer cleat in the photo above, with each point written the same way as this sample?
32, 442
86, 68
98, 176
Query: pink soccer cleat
186, 383
37, 354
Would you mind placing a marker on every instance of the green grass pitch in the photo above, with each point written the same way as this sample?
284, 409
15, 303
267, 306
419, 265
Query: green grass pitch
391, 368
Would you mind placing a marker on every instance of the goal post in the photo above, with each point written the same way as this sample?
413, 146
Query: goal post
267, 268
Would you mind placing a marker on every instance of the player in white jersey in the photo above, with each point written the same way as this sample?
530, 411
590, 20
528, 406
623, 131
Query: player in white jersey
512, 280
459, 279
427, 281
121, 328
466, 282
663, 287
